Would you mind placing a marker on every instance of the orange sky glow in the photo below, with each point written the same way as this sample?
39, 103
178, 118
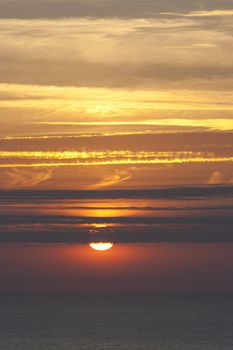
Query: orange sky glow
116, 125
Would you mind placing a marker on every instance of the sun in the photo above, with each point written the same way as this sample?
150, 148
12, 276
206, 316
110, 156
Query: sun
101, 246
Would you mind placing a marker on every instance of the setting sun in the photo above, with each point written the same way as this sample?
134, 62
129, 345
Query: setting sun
101, 246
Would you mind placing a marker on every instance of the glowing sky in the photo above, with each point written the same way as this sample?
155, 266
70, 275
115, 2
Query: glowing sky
89, 71
100, 95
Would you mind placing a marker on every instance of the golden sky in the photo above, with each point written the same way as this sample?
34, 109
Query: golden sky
91, 93
100, 95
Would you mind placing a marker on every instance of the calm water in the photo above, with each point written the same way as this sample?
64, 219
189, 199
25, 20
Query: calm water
87, 322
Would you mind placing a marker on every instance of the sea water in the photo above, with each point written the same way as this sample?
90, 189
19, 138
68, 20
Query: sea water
74, 321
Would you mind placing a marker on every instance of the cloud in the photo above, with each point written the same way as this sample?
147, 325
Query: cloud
118, 230
28, 159
210, 13
213, 13
215, 178
200, 223
25, 178
173, 192
172, 52
97, 8
119, 176
86, 68
48, 110
104, 8
220, 124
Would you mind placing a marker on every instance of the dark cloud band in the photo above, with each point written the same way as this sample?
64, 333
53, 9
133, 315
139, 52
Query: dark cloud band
204, 224
195, 192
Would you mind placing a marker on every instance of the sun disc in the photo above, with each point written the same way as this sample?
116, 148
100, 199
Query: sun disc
101, 246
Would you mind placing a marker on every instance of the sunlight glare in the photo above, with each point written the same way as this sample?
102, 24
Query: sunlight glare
101, 246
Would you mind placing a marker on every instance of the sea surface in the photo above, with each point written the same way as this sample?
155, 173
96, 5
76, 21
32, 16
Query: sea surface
71, 321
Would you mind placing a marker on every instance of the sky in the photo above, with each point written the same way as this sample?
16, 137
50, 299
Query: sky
116, 124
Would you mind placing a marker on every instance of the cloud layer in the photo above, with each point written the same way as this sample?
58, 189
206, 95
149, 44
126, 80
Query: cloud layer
96, 70
177, 214
106, 8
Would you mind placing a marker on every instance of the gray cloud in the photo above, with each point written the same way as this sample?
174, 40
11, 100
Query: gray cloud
66, 229
81, 73
102, 8
199, 222
172, 52
194, 192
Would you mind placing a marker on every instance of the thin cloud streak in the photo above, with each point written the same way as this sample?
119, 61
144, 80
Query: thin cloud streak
96, 158
108, 155
112, 179
213, 13
214, 124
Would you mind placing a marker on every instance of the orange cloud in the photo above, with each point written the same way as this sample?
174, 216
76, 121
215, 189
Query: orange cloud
112, 179
27, 177
215, 178
13, 159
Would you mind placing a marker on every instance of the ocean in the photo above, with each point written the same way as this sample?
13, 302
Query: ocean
74, 321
